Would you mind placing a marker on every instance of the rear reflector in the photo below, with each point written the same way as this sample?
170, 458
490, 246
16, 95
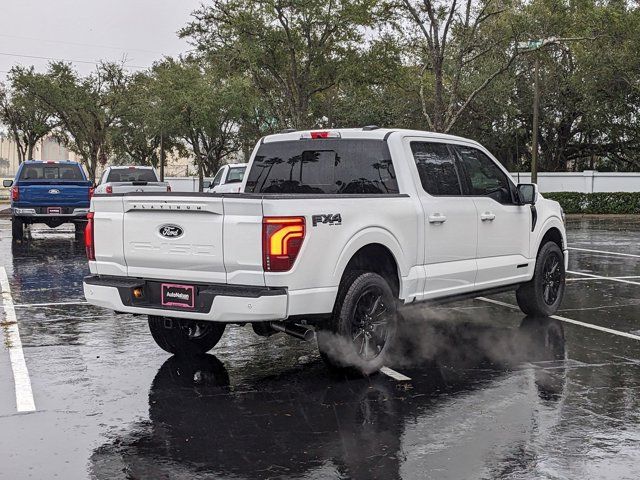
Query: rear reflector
88, 237
319, 135
282, 239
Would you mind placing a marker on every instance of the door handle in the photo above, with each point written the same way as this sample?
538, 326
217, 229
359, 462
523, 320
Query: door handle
488, 217
437, 218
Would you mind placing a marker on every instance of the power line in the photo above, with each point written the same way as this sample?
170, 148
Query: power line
80, 44
59, 59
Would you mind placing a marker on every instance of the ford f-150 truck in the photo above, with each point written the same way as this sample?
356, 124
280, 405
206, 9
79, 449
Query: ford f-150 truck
333, 233
133, 178
49, 192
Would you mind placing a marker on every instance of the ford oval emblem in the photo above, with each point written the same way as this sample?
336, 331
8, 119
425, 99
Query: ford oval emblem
54, 191
171, 231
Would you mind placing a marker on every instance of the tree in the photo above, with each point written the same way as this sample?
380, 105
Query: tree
202, 106
293, 50
27, 119
454, 42
84, 106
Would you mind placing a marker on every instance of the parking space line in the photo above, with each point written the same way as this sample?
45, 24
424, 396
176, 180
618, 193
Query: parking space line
600, 277
24, 393
567, 320
53, 304
604, 252
395, 375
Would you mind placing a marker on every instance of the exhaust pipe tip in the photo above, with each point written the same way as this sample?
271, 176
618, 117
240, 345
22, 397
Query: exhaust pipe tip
298, 331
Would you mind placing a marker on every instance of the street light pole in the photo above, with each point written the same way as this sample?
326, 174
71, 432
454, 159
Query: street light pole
535, 46
536, 107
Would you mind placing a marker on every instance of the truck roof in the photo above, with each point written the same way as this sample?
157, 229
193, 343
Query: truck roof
37, 162
125, 167
371, 132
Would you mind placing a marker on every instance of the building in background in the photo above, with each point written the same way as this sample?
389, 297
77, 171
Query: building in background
47, 149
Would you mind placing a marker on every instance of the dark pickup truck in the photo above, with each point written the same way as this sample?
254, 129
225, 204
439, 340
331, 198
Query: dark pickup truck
49, 192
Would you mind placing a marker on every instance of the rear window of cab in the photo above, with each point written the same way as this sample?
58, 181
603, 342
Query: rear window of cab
51, 171
323, 166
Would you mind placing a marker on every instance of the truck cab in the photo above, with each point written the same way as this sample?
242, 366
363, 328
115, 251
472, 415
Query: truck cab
228, 178
49, 192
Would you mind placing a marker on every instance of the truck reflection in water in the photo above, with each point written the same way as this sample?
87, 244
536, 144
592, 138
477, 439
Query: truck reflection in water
466, 413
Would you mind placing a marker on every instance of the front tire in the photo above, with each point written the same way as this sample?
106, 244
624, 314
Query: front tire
17, 229
543, 295
185, 337
362, 326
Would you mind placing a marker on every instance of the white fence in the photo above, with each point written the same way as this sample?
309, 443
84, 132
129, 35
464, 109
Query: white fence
588, 181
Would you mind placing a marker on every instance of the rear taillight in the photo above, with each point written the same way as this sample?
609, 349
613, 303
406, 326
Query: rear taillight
281, 242
108, 189
88, 237
15, 193
92, 190
168, 188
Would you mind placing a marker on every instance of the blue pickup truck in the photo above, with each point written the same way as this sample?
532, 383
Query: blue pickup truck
49, 192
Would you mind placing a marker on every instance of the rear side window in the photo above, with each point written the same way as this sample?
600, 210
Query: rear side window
235, 174
437, 168
51, 171
484, 177
323, 166
132, 175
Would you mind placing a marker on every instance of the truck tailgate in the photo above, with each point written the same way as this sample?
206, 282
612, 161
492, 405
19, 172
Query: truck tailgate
58, 194
126, 187
181, 238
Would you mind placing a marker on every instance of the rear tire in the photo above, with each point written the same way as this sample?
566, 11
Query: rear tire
17, 229
185, 337
363, 324
542, 296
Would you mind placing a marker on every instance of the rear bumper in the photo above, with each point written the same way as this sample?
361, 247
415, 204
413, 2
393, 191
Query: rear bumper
41, 212
216, 303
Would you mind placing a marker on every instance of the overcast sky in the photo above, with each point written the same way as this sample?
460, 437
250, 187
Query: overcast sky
91, 30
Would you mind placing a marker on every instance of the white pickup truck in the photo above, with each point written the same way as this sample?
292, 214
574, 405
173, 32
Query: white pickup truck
334, 232
133, 178
228, 178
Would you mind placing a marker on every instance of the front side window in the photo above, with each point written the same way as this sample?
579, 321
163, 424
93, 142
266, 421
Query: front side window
436, 168
218, 178
323, 166
484, 177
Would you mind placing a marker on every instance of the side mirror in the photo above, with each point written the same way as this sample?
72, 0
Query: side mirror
206, 184
7, 183
527, 193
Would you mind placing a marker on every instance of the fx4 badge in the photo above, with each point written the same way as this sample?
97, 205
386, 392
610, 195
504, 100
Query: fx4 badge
329, 219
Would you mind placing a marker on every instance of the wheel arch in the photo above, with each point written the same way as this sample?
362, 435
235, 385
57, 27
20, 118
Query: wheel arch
374, 250
552, 230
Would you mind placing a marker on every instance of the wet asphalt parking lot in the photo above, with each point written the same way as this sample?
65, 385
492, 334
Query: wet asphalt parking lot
489, 394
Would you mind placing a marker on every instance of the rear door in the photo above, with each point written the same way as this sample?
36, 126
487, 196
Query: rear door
504, 227
449, 220
177, 238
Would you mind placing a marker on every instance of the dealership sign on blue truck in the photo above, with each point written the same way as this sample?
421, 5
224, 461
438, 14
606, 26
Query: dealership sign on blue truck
49, 192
